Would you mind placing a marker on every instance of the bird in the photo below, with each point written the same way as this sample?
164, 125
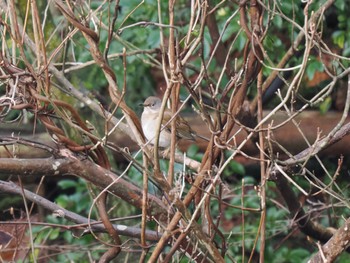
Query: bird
149, 119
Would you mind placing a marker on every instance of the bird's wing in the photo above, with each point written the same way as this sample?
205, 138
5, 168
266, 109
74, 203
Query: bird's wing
183, 129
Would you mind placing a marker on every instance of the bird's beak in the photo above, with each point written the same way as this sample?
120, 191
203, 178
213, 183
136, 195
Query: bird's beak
144, 105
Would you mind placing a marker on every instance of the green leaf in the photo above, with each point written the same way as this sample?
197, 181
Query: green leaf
237, 168
312, 67
278, 21
339, 38
298, 255
325, 105
65, 184
54, 234
62, 200
192, 150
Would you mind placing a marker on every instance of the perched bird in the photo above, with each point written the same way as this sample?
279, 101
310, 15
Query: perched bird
149, 119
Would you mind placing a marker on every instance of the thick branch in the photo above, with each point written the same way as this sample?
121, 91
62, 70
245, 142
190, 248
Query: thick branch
12, 188
307, 226
336, 245
317, 147
221, 52
91, 172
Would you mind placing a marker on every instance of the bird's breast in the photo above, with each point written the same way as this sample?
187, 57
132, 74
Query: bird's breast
149, 127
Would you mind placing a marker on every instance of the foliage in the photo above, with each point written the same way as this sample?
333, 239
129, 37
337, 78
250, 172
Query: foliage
77, 70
